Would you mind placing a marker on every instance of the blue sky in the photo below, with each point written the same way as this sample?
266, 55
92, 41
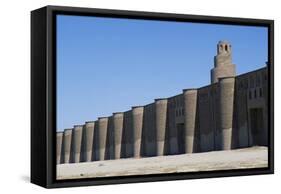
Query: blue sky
107, 65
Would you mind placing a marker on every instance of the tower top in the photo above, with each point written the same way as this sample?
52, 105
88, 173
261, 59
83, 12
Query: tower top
223, 42
223, 66
223, 47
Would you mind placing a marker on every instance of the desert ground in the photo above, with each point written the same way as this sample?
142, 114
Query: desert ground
253, 157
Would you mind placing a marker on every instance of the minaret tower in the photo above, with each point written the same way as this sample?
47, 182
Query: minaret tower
223, 66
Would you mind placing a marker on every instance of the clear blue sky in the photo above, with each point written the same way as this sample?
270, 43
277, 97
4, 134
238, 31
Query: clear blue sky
107, 65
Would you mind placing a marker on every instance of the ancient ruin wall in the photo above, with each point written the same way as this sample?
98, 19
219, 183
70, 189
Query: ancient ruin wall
227, 114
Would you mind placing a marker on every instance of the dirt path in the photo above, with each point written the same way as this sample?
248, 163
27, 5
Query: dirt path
253, 157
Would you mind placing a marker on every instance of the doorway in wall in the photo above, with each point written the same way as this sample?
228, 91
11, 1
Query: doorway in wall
256, 126
181, 135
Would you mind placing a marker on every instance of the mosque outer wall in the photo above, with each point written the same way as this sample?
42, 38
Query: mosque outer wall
219, 116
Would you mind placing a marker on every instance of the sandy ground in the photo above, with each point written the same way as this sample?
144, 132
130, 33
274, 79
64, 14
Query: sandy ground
254, 157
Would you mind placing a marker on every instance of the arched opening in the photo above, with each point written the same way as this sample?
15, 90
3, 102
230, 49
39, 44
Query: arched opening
221, 48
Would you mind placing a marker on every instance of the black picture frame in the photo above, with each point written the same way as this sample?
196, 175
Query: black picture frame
43, 95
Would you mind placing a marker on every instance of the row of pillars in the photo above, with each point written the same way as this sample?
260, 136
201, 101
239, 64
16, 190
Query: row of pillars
93, 140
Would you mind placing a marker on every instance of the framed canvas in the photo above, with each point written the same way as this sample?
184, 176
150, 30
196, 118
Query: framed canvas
127, 96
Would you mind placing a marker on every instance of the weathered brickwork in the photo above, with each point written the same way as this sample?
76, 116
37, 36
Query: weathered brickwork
229, 113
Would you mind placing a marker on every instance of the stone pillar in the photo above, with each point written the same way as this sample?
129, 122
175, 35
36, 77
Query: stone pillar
67, 138
59, 146
102, 134
117, 133
109, 150
149, 137
127, 141
161, 121
88, 139
137, 123
172, 129
95, 149
76, 143
226, 100
190, 106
